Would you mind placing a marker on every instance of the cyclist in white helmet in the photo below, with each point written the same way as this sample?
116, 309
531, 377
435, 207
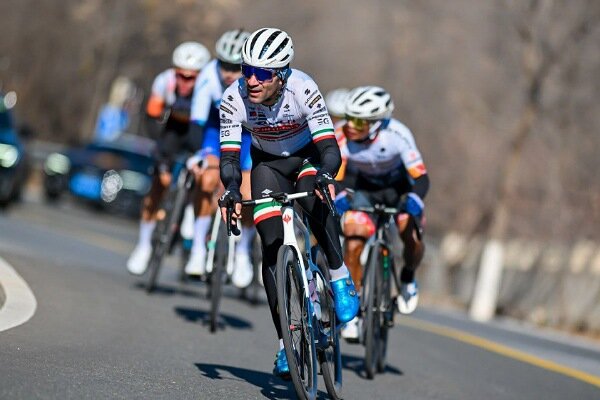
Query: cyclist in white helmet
383, 165
214, 79
168, 109
293, 148
336, 104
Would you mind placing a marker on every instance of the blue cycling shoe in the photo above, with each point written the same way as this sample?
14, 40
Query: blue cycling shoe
346, 299
282, 369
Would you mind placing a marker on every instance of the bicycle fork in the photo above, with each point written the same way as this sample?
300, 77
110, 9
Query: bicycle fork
289, 239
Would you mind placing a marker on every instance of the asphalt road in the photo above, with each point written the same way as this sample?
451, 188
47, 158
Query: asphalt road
96, 334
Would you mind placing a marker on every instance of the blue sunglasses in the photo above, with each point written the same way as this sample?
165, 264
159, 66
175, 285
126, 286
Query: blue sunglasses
261, 74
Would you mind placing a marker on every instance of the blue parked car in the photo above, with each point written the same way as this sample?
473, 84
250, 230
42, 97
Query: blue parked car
113, 175
14, 161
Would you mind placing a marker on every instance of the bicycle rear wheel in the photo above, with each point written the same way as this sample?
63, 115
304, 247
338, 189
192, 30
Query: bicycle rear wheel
371, 324
297, 332
330, 353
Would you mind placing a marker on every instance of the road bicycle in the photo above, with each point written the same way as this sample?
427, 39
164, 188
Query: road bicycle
170, 215
310, 331
377, 306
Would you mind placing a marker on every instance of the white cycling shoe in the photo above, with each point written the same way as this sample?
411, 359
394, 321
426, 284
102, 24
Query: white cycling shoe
351, 331
408, 298
138, 261
244, 272
196, 265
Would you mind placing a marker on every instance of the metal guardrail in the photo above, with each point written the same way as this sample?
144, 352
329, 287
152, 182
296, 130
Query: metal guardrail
548, 284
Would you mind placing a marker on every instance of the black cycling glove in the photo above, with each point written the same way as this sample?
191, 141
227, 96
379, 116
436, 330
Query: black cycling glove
230, 198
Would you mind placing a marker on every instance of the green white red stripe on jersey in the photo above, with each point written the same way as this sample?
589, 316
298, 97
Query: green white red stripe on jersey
267, 210
231, 145
307, 170
323, 134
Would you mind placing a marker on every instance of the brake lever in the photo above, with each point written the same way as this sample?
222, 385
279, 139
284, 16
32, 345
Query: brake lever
325, 192
230, 227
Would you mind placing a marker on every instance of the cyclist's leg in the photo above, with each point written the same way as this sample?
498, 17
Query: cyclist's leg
414, 248
358, 227
244, 271
204, 203
268, 222
138, 260
322, 224
325, 227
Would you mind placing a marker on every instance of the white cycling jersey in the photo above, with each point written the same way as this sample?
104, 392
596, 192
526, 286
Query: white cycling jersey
164, 86
208, 91
385, 159
299, 117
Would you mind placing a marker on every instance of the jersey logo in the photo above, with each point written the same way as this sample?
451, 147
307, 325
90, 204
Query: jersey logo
286, 218
307, 91
312, 103
230, 98
225, 109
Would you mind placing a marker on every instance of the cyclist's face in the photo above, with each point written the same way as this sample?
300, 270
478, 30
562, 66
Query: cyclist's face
185, 79
229, 72
228, 77
261, 91
356, 131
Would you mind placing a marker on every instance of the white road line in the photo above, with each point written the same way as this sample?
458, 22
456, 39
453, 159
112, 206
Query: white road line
20, 303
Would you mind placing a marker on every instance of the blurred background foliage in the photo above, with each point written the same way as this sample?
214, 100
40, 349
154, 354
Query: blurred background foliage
502, 96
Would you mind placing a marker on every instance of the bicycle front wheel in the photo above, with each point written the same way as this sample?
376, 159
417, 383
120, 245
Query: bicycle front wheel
386, 305
294, 317
160, 238
371, 324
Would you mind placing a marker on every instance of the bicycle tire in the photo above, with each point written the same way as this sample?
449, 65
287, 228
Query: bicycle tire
163, 236
330, 358
386, 303
371, 322
159, 248
294, 314
218, 276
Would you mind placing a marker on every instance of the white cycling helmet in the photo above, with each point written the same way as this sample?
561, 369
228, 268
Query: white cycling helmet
336, 102
229, 46
191, 55
268, 48
369, 102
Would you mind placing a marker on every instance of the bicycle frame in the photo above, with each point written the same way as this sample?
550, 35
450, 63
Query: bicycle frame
384, 216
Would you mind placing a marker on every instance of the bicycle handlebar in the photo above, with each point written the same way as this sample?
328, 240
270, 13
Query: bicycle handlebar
380, 209
281, 197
